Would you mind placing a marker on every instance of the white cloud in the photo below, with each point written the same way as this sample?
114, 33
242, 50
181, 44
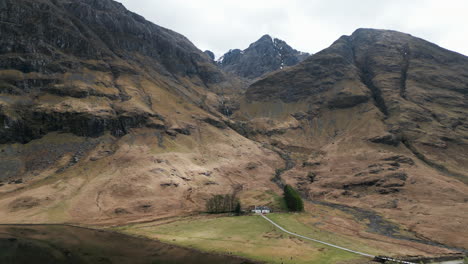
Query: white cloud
307, 25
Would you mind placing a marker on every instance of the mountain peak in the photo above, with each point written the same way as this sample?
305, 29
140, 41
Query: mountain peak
265, 55
265, 37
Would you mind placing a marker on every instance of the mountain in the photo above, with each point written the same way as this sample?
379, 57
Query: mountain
418, 88
106, 116
378, 120
263, 56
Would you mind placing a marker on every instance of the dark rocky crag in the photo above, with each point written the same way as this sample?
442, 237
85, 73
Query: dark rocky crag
210, 54
92, 52
263, 56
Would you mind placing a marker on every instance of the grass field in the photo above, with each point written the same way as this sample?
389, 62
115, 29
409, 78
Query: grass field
253, 237
303, 224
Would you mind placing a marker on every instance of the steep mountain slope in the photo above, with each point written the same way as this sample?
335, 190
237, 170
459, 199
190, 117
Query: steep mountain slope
96, 53
377, 120
105, 115
261, 57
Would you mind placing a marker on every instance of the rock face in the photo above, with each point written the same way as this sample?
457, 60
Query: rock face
261, 57
94, 61
210, 54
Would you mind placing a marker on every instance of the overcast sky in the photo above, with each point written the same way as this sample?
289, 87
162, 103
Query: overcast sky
307, 25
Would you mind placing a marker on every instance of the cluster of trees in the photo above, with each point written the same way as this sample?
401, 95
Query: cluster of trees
229, 203
223, 204
293, 199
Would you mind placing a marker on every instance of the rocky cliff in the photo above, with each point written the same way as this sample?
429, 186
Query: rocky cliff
263, 56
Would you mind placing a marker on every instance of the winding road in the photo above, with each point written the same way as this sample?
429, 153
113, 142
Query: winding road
335, 246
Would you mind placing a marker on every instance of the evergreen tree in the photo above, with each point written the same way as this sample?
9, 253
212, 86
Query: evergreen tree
238, 209
293, 199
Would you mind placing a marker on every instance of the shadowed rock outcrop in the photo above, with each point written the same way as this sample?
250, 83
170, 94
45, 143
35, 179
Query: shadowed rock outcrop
210, 54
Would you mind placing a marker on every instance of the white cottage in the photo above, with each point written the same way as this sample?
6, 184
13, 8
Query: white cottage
261, 210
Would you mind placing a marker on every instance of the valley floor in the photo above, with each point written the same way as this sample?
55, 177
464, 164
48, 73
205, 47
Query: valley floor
253, 237
247, 236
